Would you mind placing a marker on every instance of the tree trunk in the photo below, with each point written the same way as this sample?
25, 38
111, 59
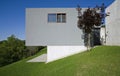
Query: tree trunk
88, 41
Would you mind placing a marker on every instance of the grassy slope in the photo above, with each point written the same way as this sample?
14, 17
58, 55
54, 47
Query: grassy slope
101, 61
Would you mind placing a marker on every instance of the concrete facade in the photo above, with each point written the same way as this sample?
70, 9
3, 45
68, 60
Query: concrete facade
61, 39
40, 32
113, 24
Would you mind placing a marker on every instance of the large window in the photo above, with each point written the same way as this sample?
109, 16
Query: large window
59, 17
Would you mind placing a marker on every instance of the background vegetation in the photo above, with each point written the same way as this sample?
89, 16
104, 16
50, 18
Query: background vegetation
14, 49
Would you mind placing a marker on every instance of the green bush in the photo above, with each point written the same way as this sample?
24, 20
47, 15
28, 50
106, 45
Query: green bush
14, 49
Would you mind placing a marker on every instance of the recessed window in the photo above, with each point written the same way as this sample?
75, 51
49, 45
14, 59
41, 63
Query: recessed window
59, 17
63, 17
51, 17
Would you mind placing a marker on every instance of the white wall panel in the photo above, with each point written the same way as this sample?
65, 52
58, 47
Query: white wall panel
58, 52
113, 24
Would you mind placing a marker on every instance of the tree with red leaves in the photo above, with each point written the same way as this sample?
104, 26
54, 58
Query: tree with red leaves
90, 18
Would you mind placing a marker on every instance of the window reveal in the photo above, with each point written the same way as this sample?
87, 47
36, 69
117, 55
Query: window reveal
59, 17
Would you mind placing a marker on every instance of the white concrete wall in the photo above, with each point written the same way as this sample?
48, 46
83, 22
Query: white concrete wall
58, 52
102, 35
39, 32
113, 24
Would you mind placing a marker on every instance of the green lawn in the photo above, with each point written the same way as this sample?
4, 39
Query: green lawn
100, 61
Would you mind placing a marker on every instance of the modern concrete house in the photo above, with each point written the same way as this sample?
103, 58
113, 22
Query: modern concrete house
113, 24
55, 28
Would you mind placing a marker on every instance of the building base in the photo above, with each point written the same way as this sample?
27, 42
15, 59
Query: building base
58, 52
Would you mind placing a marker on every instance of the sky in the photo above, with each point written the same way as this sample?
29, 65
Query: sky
12, 13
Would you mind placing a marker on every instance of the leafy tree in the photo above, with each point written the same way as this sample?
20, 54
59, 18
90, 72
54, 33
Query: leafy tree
90, 18
11, 50
14, 49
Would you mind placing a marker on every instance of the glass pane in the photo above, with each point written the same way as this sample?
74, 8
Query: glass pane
58, 17
51, 17
63, 17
